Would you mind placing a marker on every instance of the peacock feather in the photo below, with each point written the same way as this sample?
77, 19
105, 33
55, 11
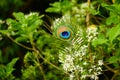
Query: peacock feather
63, 29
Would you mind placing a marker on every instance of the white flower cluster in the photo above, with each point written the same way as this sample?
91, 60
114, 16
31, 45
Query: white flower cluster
91, 33
77, 60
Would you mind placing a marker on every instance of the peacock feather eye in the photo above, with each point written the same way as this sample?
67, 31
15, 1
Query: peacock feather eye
63, 28
64, 32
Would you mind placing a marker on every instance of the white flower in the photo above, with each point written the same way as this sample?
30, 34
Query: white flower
85, 63
81, 69
99, 69
94, 66
90, 38
68, 64
91, 33
71, 76
100, 62
83, 76
68, 67
84, 49
90, 70
69, 58
94, 77
77, 54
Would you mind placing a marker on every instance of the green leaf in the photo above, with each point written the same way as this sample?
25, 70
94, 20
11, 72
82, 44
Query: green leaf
24, 26
58, 7
29, 73
113, 59
95, 11
116, 65
19, 16
10, 21
33, 21
55, 7
110, 7
115, 8
29, 57
117, 1
13, 24
4, 31
9, 66
99, 42
113, 32
66, 6
2, 71
112, 19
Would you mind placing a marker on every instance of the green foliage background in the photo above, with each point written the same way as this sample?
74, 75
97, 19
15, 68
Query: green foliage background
28, 51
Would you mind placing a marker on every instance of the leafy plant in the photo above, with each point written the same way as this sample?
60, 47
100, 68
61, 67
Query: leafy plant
84, 43
27, 29
60, 7
6, 70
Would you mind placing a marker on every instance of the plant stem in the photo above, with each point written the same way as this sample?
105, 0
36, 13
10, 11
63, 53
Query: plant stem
113, 78
19, 43
36, 55
88, 15
39, 65
115, 71
49, 62
109, 68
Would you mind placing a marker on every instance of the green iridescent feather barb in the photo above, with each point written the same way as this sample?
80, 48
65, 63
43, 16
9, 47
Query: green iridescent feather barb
77, 60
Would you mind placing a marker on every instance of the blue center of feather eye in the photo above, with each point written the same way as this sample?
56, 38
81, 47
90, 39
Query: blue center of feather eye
65, 34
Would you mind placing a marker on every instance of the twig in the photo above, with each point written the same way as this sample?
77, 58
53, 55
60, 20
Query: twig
50, 63
109, 68
39, 65
88, 15
36, 55
26, 47
112, 70
114, 76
